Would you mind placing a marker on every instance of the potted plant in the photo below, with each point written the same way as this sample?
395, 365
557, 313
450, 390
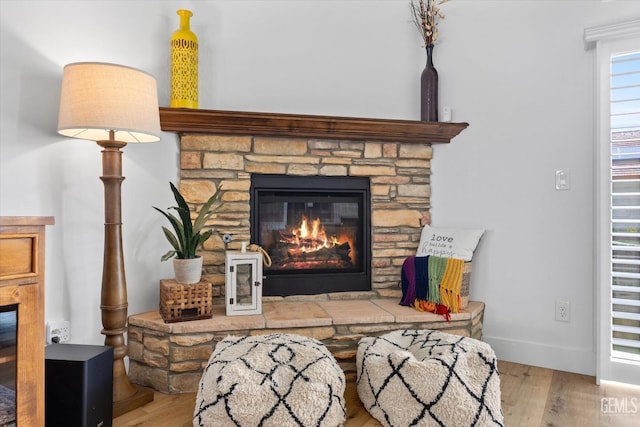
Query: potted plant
187, 237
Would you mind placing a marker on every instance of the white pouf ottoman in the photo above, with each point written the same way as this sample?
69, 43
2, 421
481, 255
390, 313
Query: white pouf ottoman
271, 380
429, 378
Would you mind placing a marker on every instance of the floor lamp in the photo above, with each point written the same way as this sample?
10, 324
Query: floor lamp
112, 105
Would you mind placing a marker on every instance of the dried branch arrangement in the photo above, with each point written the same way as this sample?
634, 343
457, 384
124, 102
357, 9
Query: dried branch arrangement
426, 14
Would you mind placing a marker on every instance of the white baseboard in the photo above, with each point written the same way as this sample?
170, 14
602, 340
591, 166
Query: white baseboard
569, 359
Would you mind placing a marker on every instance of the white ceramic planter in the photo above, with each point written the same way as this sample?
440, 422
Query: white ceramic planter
188, 271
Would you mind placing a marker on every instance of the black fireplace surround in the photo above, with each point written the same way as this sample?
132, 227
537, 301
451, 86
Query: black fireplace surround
317, 231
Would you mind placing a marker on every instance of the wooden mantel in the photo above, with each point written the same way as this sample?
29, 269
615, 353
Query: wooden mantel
305, 126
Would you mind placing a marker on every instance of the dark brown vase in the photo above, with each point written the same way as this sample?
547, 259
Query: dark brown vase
429, 90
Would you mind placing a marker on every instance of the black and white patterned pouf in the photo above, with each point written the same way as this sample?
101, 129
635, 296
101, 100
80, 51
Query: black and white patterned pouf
271, 380
429, 378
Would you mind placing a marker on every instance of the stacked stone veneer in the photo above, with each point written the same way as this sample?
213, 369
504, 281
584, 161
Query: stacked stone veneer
170, 357
400, 189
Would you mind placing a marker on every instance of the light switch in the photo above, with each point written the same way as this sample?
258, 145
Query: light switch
446, 114
563, 179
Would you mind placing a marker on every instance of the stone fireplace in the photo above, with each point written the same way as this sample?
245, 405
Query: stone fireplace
396, 167
230, 152
224, 151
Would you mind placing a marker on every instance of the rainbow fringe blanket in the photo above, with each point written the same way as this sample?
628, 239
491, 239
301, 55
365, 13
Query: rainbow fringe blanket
432, 283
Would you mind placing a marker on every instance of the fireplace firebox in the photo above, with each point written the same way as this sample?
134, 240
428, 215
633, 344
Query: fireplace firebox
316, 230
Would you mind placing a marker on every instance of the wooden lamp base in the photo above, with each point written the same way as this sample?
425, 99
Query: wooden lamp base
126, 396
141, 397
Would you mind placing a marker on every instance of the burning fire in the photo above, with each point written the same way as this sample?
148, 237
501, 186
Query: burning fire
311, 237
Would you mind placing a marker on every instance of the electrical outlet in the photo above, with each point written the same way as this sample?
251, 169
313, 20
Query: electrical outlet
58, 331
563, 311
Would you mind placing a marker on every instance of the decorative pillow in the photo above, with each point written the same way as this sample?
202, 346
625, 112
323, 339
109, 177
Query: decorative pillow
449, 242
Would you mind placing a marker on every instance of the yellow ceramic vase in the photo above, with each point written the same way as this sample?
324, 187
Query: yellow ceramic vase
184, 64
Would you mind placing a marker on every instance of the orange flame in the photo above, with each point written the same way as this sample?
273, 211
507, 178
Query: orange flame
312, 236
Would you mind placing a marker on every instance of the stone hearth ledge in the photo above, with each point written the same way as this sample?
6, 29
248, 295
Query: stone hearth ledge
170, 357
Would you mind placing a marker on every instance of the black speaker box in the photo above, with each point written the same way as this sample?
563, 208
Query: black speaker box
78, 385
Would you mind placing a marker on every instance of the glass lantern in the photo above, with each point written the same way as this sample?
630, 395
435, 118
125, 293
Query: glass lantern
243, 283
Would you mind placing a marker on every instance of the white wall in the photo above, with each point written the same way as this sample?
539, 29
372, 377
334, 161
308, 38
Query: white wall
515, 70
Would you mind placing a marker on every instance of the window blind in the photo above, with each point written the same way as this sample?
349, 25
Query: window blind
625, 206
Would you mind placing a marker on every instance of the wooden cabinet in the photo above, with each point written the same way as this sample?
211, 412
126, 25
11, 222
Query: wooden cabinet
22, 291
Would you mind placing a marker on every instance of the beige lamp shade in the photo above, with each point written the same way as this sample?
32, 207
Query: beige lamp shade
97, 98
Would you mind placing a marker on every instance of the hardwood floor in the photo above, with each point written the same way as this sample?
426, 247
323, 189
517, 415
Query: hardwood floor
531, 396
